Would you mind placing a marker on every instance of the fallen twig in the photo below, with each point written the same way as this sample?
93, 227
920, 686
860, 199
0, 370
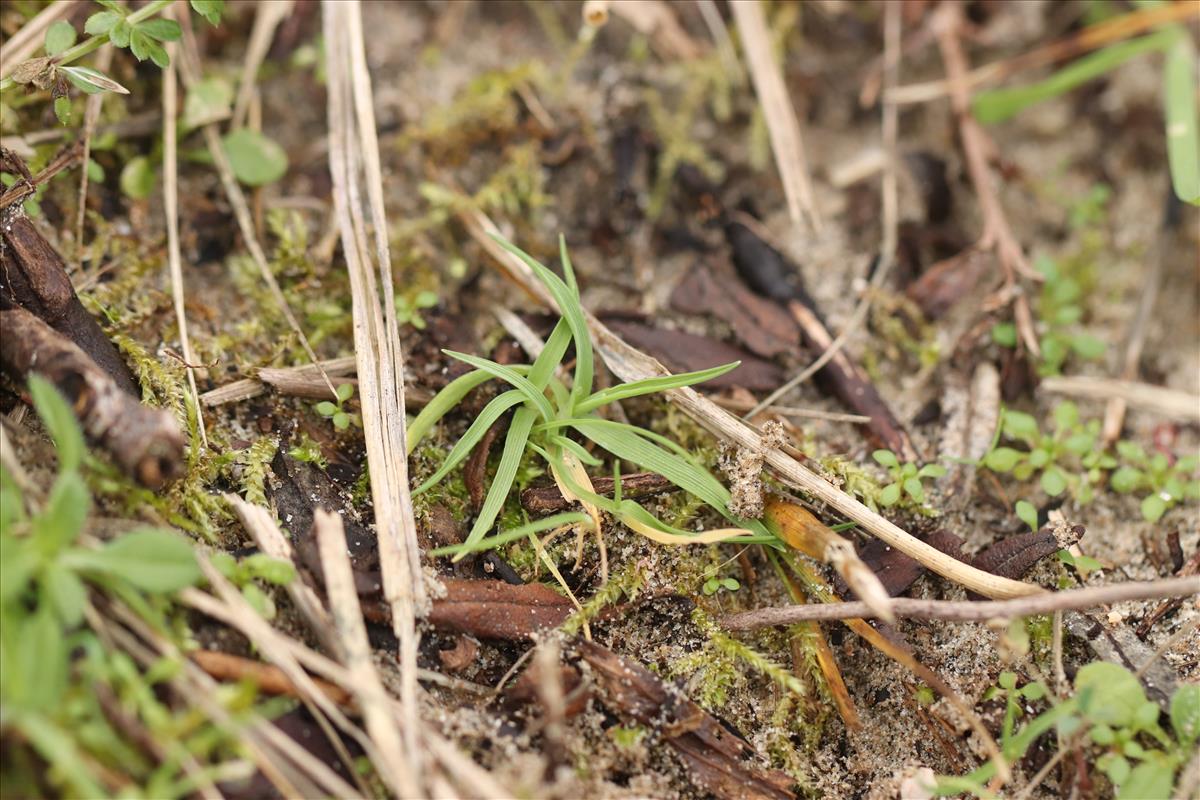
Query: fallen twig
145, 442
268, 678
968, 611
1159, 399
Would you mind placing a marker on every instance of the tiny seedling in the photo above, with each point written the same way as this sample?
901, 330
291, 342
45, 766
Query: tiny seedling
548, 414
335, 412
715, 584
409, 306
1110, 716
1164, 484
1066, 459
257, 567
906, 480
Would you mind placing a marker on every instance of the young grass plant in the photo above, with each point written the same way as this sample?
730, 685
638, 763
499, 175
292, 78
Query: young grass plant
548, 414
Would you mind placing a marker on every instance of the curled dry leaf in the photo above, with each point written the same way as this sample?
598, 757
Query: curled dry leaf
496, 610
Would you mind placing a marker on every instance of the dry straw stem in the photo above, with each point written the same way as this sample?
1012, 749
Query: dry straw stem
190, 70
1090, 38
891, 215
997, 236
25, 42
631, 364
1159, 399
171, 209
782, 125
347, 618
653, 18
285, 763
229, 668
968, 611
737, 404
268, 14
286, 380
353, 162
260, 524
90, 114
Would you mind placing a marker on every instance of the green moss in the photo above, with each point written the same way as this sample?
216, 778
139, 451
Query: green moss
256, 463
627, 582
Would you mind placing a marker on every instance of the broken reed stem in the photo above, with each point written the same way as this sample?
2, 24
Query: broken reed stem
1158, 399
171, 208
782, 126
997, 236
267, 16
631, 364
968, 611
891, 215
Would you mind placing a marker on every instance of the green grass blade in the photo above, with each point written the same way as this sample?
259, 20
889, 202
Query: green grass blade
657, 438
576, 448
551, 356
511, 377
506, 472
998, 105
451, 395
650, 386
491, 412
1183, 133
627, 442
520, 532
568, 304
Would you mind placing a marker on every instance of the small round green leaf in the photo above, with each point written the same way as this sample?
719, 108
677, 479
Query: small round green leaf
256, 160
1027, 513
1054, 482
1002, 459
137, 178
1153, 507
886, 458
59, 37
889, 495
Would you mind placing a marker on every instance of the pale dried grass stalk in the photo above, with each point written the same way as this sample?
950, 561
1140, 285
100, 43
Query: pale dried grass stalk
171, 209
25, 42
367, 687
1171, 403
267, 16
91, 113
354, 162
782, 124
631, 364
297, 381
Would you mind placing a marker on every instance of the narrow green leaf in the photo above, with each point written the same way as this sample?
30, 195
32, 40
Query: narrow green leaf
568, 305
91, 81
66, 593
650, 386
1183, 128
450, 396
1027, 514
520, 532
998, 105
59, 420
506, 472
61, 520
510, 376
579, 451
491, 412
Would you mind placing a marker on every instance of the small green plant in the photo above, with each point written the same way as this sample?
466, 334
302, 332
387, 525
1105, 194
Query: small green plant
715, 584
47, 581
1066, 459
257, 567
409, 306
906, 480
335, 412
307, 450
1059, 311
548, 413
1162, 483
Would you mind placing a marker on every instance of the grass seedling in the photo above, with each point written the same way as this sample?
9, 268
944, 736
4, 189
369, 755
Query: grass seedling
554, 420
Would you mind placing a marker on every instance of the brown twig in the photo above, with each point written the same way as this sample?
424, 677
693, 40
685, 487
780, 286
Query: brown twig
967, 611
268, 678
145, 442
997, 235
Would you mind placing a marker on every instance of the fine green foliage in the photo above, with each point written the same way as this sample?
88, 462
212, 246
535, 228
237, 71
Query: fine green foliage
544, 425
1067, 459
247, 572
47, 581
410, 304
1162, 484
335, 411
1109, 714
906, 480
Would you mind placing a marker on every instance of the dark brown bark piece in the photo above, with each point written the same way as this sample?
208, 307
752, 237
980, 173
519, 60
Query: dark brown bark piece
635, 485
719, 762
687, 352
145, 442
762, 326
33, 276
768, 272
948, 281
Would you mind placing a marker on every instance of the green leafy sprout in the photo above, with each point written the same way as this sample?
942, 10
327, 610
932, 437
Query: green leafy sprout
547, 414
1109, 712
335, 411
906, 480
716, 584
1068, 458
47, 580
1162, 483
409, 306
